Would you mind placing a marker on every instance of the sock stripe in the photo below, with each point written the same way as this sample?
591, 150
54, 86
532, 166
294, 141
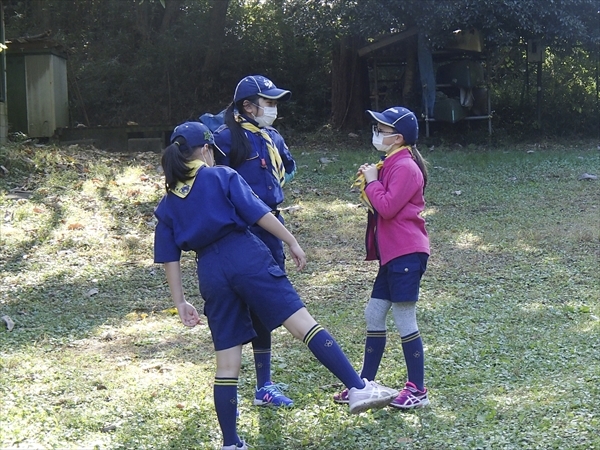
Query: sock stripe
311, 333
377, 334
261, 351
411, 337
226, 381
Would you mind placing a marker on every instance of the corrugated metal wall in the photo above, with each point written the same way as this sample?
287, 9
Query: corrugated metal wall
47, 102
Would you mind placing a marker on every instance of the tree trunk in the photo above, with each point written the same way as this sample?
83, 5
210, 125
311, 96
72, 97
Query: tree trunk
142, 20
212, 60
40, 14
349, 97
172, 8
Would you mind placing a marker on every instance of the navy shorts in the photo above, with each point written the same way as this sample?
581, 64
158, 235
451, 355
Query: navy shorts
399, 280
273, 242
237, 275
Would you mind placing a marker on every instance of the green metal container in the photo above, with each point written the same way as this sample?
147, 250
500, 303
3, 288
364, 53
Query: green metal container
464, 73
448, 110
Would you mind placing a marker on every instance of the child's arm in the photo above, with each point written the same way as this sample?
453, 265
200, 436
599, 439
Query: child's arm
187, 312
271, 224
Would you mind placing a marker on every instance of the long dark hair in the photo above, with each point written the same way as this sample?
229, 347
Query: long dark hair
174, 162
421, 162
241, 147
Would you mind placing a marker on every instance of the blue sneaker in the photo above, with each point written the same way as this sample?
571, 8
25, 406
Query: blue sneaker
270, 395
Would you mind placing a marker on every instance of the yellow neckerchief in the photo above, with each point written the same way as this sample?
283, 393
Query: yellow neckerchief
360, 181
276, 163
183, 188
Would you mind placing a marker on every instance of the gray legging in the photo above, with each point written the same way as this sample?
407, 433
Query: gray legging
404, 313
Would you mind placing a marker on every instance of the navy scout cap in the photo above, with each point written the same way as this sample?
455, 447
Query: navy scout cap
258, 85
196, 134
400, 118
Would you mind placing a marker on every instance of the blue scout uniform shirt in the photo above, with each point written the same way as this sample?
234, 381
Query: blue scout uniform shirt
219, 202
257, 169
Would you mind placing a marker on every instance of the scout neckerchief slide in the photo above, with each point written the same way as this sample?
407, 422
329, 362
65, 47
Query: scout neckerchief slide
361, 183
183, 188
276, 163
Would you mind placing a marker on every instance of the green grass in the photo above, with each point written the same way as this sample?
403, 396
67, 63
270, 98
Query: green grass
509, 308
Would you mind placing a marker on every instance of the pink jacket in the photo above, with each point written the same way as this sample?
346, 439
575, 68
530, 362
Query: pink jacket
396, 228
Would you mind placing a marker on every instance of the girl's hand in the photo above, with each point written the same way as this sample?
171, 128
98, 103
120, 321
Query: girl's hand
298, 256
188, 314
369, 171
362, 168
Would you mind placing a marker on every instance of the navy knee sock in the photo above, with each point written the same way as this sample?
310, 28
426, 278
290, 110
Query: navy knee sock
412, 346
261, 346
374, 347
262, 364
329, 353
225, 398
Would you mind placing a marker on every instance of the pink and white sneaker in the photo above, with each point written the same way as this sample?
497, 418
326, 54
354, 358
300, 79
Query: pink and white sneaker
410, 397
342, 397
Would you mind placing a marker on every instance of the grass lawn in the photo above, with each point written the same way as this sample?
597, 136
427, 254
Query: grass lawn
509, 308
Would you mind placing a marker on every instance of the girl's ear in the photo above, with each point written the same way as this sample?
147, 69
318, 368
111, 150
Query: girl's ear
247, 106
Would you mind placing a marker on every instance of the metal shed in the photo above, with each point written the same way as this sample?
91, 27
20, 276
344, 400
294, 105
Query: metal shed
37, 91
453, 79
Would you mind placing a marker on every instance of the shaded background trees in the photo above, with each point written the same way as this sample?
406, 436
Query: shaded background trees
161, 62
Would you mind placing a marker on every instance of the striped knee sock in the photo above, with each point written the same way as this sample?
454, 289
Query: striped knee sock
329, 353
262, 364
374, 347
225, 397
412, 346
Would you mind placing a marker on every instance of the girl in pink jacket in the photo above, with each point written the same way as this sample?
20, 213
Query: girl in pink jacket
396, 236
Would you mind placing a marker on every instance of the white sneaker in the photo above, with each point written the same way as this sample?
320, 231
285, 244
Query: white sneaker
372, 396
235, 447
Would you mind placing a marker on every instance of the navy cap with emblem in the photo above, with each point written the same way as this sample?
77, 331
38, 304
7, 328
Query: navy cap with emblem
258, 85
400, 118
196, 134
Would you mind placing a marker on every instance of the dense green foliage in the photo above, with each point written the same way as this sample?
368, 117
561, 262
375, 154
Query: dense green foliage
141, 60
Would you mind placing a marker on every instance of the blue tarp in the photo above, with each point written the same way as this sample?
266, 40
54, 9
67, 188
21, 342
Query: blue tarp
427, 73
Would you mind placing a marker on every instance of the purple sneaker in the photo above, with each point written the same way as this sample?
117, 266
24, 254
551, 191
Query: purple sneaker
342, 397
270, 395
410, 397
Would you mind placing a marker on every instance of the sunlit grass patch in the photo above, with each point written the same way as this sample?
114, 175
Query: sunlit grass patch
508, 308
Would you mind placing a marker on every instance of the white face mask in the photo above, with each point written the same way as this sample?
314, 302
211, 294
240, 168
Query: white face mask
268, 117
211, 157
378, 142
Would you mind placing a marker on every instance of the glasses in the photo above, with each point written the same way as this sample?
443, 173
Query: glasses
377, 131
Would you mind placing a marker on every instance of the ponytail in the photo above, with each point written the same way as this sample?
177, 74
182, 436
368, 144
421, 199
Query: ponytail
241, 147
174, 162
421, 162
